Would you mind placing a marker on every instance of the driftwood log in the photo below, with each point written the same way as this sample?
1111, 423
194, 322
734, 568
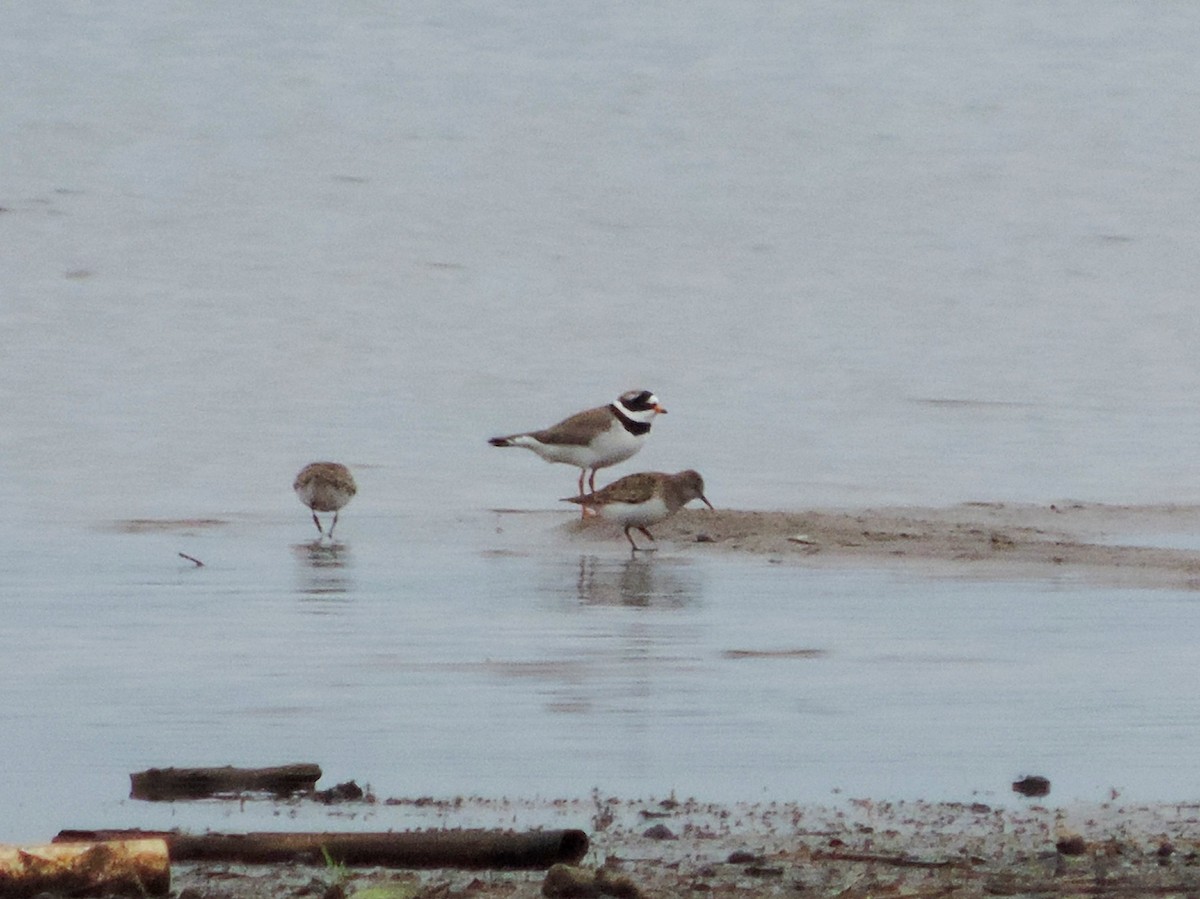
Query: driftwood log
473, 849
158, 784
138, 867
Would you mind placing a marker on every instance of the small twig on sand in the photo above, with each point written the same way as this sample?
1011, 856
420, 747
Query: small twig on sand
902, 861
192, 559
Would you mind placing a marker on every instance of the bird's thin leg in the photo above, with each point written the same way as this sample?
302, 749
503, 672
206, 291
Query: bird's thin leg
334, 525
317, 522
584, 511
592, 481
641, 549
629, 537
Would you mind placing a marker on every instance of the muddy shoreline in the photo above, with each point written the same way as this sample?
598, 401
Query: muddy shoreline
1102, 544
858, 848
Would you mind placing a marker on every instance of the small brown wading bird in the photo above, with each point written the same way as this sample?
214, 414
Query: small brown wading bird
646, 498
325, 487
595, 438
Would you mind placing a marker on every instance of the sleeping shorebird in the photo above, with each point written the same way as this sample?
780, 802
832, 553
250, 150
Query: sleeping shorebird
646, 498
325, 487
595, 438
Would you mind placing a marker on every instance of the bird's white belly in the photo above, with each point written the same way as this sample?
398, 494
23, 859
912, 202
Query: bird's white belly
322, 497
636, 514
608, 448
615, 445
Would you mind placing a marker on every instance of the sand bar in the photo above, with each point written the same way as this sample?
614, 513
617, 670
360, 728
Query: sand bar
1142, 546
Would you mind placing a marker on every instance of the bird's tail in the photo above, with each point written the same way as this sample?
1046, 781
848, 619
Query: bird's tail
502, 441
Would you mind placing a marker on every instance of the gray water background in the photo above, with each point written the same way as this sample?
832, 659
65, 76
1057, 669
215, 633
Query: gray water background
864, 253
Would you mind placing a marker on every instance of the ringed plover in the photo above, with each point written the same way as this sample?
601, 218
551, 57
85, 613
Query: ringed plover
595, 438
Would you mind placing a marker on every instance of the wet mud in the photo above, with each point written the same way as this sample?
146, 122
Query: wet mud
856, 848
1105, 544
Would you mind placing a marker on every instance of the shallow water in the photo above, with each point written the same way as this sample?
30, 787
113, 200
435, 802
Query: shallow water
863, 254
511, 661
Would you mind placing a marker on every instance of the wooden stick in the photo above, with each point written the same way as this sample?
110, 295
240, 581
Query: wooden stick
126, 867
473, 849
158, 784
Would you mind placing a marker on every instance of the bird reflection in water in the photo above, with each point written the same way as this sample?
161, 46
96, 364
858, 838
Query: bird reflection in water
324, 568
637, 581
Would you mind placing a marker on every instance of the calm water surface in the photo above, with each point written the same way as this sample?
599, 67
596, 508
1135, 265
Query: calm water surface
499, 658
864, 254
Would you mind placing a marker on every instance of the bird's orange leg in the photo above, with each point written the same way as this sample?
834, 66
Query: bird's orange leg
586, 511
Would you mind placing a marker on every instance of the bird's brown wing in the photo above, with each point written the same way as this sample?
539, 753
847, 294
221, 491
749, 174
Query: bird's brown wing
578, 430
633, 488
333, 473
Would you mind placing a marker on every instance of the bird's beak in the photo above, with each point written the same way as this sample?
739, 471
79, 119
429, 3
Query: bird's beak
706, 502
659, 409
